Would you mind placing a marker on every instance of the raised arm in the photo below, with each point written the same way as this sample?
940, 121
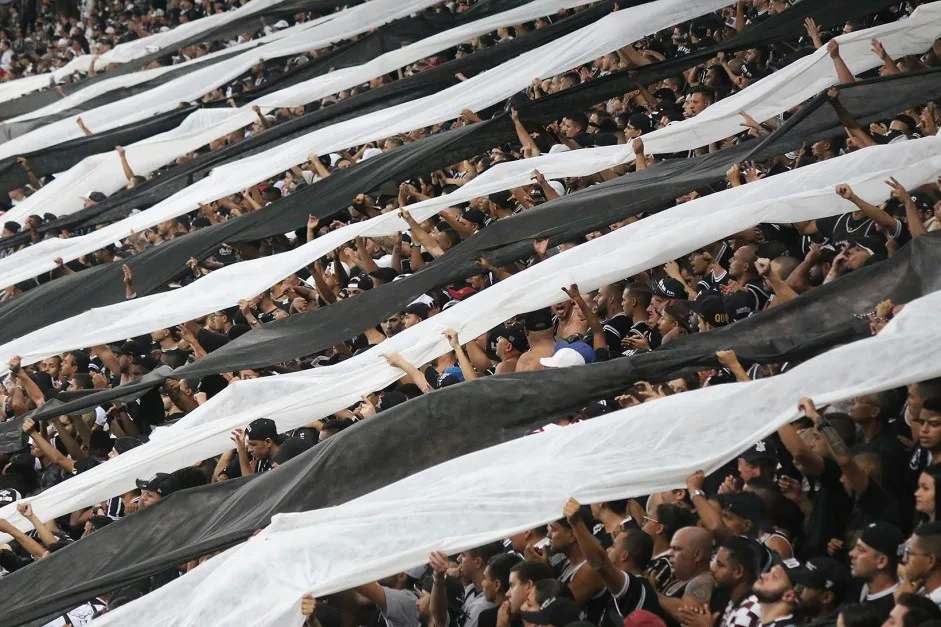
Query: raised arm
595, 554
467, 368
915, 226
128, 172
397, 361
856, 477
843, 73
878, 216
32, 390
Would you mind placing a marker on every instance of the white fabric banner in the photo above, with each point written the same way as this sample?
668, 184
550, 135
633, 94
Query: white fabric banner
103, 173
494, 493
487, 88
296, 399
122, 53
192, 86
216, 291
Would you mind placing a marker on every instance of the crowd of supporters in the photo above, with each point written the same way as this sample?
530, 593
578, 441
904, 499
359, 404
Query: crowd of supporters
830, 521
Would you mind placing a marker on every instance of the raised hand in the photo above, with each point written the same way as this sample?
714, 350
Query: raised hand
540, 246
452, 338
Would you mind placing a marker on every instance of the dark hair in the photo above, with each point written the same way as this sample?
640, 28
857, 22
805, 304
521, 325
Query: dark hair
486, 551
619, 506
100, 521
920, 609
547, 589
856, 615
579, 119
336, 425
930, 388
83, 381
641, 293
673, 518
742, 553
929, 536
500, 567
639, 546
707, 92
81, 361
532, 570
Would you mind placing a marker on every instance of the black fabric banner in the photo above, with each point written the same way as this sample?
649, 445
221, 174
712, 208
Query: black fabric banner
510, 239
100, 286
440, 426
250, 21
61, 157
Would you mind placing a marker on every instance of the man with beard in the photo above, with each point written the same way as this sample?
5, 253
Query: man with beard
735, 568
777, 597
586, 586
609, 307
634, 304
393, 325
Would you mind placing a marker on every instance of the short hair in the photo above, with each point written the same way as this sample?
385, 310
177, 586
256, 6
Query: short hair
619, 506
81, 360
100, 521
641, 293
858, 615
500, 567
929, 537
742, 553
83, 381
486, 551
673, 518
843, 425
547, 589
532, 570
920, 609
579, 119
639, 546
707, 92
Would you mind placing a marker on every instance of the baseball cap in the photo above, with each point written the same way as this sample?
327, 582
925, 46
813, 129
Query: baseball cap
418, 309
161, 483
123, 445
369, 153
762, 449
583, 349
539, 320
13, 227
643, 618
132, 347
640, 121
515, 334
885, 538
361, 281
563, 358
388, 400
557, 611
712, 309
822, 573
668, 287
747, 505
682, 312
9, 495
739, 305
262, 429
450, 376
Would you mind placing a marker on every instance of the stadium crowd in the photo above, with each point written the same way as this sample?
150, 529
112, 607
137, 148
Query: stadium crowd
829, 521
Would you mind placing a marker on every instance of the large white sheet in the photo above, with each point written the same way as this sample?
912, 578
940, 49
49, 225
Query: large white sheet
293, 400
192, 86
499, 491
216, 291
122, 53
791, 85
103, 173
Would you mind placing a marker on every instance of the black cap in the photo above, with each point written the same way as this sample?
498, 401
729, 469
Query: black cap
557, 611
680, 311
711, 308
640, 121
762, 449
907, 120
418, 309
96, 196
12, 226
132, 347
161, 483
747, 505
362, 281
668, 287
822, 573
9, 495
515, 334
539, 320
885, 538
123, 445
739, 305
262, 429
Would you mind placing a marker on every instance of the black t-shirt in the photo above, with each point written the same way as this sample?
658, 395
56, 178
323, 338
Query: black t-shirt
844, 229
710, 283
616, 328
882, 602
636, 594
641, 329
831, 508
875, 505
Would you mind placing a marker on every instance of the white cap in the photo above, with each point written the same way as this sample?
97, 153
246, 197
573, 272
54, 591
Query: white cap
334, 159
109, 30
556, 148
558, 187
563, 358
280, 24
369, 153
62, 43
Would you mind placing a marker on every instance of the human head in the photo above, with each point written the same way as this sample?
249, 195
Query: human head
858, 615
698, 100
877, 551
822, 584
761, 460
393, 324
736, 564
929, 421
263, 439
636, 298
922, 554
775, 587
474, 560
155, 488
691, 549
912, 610
496, 578
927, 493
631, 550
871, 407
523, 578
743, 513
415, 313
667, 520
608, 300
